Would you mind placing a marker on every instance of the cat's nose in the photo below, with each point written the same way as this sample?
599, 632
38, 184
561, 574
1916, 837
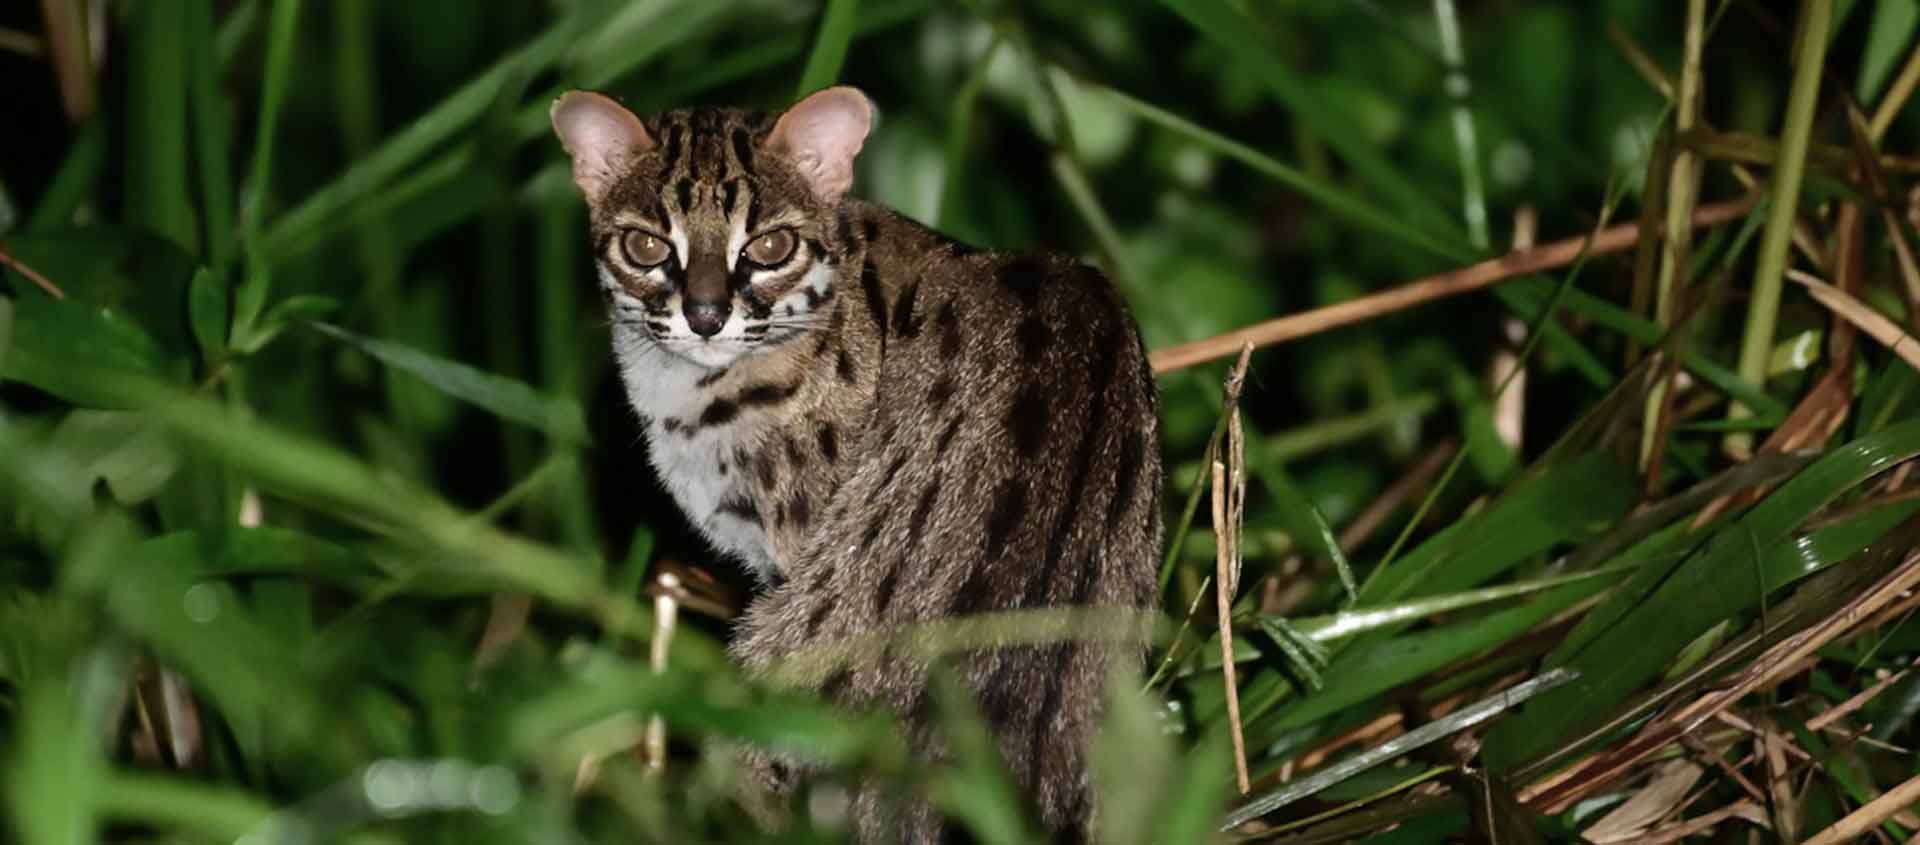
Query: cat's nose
706, 318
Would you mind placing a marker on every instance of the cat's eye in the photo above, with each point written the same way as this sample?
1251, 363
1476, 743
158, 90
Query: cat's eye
645, 250
771, 248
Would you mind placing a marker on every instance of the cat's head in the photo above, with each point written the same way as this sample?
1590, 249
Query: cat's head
715, 230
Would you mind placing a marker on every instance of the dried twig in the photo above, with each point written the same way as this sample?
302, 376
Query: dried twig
1785, 659
1419, 291
1863, 317
1228, 495
1870, 815
7, 260
666, 611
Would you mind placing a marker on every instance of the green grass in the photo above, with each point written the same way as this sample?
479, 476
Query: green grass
323, 514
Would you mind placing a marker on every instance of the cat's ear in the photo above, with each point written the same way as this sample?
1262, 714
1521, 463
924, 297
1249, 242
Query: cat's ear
601, 135
821, 134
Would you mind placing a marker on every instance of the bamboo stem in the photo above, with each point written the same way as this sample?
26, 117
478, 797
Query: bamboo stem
1763, 309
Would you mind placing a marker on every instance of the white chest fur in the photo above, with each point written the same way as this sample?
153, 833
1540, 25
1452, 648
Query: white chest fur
697, 463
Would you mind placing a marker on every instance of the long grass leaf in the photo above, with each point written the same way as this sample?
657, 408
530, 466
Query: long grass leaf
156, 167
1623, 644
507, 398
829, 46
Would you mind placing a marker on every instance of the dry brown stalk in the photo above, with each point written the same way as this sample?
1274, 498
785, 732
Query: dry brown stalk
1747, 810
1870, 815
1862, 316
1859, 699
1427, 289
1787, 658
1229, 495
7, 260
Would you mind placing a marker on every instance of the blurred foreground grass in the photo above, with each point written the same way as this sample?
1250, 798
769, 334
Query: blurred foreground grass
326, 520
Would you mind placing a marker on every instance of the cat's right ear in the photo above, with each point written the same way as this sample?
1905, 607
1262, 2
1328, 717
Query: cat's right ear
601, 136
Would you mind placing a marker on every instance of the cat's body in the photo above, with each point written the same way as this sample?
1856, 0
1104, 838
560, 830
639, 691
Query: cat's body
902, 430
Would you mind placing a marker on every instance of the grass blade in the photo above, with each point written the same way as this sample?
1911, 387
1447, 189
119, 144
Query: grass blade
156, 168
507, 398
1427, 734
829, 46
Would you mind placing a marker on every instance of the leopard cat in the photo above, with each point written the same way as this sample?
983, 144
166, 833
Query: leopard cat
885, 425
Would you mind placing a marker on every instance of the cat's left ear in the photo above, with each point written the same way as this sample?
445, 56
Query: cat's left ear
601, 135
821, 135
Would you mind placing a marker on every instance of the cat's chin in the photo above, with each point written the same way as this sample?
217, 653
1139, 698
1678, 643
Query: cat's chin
708, 354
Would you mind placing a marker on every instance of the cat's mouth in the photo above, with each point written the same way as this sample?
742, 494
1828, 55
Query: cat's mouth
710, 352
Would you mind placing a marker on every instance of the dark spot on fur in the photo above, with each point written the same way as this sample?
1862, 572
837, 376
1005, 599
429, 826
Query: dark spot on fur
670, 424
845, 367
917, 521
876, 301
721, 468
829, 442
1124, 483
1042, 589
684, 193
1022, 277
946, 435
1032, 335
817, 617
835, 685
743, 149
795, 456
767, 394
845, 229
874, 526
1009, 508
949, 322
708, 379
904, 323
873, 231
800, 511
1027, 420
883, 590
764, 468
720, 412
740, 507
941, 391
893, 469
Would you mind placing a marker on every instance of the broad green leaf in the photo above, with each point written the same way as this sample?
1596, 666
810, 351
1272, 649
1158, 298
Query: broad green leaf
128, 451
178, 803
1626, 641
59, 346
142, 277
507, 398
55, 768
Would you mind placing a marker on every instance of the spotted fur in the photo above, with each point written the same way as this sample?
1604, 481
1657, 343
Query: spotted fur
920, 430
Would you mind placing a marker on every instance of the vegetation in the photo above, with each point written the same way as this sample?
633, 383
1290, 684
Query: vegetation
325, 521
